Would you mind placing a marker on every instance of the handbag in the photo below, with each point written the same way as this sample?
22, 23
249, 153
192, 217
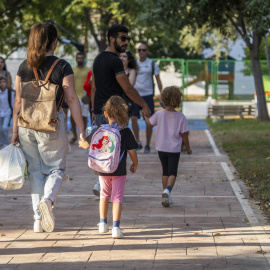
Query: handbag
38, 103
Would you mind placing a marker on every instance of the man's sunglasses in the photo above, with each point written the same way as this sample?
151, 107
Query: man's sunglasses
144, 50
124, 38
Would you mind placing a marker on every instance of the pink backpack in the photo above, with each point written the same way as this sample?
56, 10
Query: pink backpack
105, 146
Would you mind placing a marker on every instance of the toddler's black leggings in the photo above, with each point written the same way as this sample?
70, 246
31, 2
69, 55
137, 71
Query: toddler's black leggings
169, 162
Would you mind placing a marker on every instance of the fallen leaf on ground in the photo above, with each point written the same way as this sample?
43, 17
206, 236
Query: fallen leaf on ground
89, 198
3, 234
233, 180
217, 234
187, 224
248, 223
260, 252
196, 233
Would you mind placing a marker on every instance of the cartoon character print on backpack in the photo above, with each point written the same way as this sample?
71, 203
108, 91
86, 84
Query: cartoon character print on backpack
104, 153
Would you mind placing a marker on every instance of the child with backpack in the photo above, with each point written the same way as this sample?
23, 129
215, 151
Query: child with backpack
171, 130
6, 105
112, 142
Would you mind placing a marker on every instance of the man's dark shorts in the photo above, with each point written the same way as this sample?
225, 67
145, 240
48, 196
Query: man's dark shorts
149, 101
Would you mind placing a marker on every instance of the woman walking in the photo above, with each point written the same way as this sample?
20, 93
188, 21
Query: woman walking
45, 151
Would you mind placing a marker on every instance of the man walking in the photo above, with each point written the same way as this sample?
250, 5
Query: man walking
109, 78
80, 74
145, 86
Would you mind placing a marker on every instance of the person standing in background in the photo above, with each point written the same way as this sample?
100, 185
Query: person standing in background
145, 86
80, 74
5, 73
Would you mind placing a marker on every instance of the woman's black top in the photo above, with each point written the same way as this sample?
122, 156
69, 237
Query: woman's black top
61, 70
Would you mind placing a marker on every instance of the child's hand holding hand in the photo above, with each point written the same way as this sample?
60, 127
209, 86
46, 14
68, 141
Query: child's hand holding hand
84, 144
133, 168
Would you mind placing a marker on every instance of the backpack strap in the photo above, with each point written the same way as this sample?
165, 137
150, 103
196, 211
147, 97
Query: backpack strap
51, 69
9, 99
153, 72
49, 73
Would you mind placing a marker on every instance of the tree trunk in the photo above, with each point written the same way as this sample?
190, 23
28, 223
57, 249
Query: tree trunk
267, 54
257, 72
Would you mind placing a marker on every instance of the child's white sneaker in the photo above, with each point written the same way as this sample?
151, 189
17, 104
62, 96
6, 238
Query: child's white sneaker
37, 226
47, 221
103, 227
166, 198
117, 233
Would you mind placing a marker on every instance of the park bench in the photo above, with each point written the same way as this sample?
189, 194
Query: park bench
232, 110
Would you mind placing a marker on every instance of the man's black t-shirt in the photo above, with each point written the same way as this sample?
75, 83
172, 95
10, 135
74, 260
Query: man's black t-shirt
128, 142
61, 70
106, 67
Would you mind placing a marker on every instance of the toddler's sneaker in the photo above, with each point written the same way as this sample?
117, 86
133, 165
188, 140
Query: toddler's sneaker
139, 146
117, 233
47, 221
147, 149
96, 189
166, 198
103, 227
37, 226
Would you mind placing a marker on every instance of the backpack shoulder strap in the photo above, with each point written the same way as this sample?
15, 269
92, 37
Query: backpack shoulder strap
51, 69
49, 73
9, 99
153, 67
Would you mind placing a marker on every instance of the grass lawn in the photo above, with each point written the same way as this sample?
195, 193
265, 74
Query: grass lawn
247, 142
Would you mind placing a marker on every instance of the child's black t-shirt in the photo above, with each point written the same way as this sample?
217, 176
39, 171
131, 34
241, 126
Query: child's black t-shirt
128, 142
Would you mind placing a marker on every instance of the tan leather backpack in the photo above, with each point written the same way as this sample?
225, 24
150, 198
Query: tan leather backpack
38, 103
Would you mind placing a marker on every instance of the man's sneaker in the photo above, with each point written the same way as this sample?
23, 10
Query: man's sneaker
117, 233
147, 149
139, 146
47, 221
96, 189
103, 227
166, 198
37, 226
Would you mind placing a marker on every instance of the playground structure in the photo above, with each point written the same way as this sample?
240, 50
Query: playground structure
213, 73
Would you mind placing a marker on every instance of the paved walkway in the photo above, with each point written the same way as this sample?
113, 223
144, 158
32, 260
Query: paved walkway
211, 225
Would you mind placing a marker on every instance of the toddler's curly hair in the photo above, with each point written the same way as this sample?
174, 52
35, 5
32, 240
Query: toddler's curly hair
171, 96
117, 109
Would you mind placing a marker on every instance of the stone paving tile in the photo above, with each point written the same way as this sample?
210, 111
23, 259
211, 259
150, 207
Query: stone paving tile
205, 228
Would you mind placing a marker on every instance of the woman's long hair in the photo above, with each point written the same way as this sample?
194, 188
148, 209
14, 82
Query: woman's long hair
131, 60
40, 41
117, 109
5, 66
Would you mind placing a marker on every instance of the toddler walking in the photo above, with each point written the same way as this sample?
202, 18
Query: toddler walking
112, 185
171, 130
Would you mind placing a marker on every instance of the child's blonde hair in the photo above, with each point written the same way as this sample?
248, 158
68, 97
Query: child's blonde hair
116, 108
171, 96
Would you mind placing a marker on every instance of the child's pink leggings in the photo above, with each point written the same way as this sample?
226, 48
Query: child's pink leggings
112, 187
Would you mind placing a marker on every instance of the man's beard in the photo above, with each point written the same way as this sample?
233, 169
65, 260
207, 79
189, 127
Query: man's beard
118, 48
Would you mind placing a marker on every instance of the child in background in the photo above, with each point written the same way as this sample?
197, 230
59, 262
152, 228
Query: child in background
171, 130
6, 105
112, 185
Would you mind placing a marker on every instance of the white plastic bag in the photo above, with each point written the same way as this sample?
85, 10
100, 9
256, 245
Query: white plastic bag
13, 167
